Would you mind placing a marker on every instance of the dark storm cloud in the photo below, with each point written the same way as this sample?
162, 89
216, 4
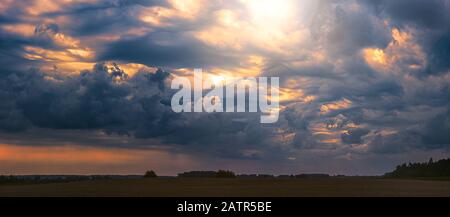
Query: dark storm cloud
354, 136
425, 13
12, 47
352, 31
440, 53
103, 19
79, 8
436, 131
95, 99
106, 99
393, 143
167, 48
430, 17
11, 55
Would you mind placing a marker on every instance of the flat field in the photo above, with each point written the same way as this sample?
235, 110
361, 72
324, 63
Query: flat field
214, 187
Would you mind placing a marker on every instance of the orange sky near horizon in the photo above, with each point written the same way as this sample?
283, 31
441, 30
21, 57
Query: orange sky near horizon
74, 159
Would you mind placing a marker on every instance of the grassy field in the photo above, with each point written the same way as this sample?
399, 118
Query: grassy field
234, 187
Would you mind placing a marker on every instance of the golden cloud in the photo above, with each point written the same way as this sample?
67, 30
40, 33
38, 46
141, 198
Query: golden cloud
402, 54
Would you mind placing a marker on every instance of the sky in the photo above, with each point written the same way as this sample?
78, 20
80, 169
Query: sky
85, 85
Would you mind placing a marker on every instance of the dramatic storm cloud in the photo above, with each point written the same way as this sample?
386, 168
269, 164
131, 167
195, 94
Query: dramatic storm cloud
364, 84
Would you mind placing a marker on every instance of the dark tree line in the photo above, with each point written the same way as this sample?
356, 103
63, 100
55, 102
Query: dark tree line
49, 178
208, 174
439, 168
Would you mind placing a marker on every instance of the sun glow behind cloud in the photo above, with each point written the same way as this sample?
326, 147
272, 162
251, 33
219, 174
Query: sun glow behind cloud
271, 14
270, 25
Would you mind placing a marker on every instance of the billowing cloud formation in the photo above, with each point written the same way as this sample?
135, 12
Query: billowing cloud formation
361, 80
107, 98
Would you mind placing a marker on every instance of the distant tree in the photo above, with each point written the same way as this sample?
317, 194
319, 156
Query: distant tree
150, 174
225, 174
431, 168
198, 174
